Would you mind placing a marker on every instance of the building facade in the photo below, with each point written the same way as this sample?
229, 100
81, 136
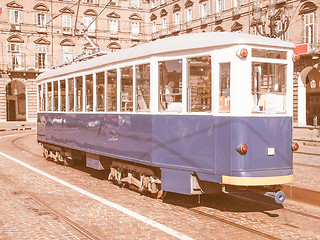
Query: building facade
36, 36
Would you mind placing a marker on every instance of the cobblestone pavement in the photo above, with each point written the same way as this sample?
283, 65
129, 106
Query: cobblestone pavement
23, 218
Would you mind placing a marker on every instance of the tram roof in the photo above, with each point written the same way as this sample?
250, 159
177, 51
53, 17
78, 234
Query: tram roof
167, 45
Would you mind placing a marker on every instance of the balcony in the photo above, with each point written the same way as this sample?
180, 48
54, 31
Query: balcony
164, 32
176, 28
135, 36
188, 25
154, 35
204, 20
17, 62
218, 16
67, 31
15, 27
236, 11
41, 29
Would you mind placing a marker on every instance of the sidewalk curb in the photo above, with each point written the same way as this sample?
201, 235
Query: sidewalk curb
302, 195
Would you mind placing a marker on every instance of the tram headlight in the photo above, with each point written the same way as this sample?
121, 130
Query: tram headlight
242, 149
295, 146
242, 53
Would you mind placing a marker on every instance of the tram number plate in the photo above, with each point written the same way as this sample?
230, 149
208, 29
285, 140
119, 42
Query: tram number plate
271, 151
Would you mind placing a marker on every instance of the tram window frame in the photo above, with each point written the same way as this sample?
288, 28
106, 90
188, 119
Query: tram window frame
201, 92
100, 95
71, 98
269, 87
112, 86
142, 87
55, 96
170, 100
63, 96
224, 85
40, 98
89, 93
79, 94
49, 96
126, 96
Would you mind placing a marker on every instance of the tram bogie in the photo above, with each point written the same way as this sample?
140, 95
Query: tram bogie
190, 114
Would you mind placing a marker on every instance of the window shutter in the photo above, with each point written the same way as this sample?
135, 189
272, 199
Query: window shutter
36, 59
35, 18
20, 17
48, 60
315, 34
12, 16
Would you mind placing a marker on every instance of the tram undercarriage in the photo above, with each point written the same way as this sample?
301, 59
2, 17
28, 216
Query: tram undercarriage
146, 179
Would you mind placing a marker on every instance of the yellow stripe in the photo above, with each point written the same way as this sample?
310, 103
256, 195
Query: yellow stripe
256, 181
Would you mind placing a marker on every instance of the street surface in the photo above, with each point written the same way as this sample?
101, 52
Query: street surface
40, 199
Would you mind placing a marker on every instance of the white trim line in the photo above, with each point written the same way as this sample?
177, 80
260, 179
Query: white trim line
103, 201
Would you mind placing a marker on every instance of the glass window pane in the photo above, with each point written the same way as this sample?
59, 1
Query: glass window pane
100, 92
55, 100
79, 94
40, 96
71, 94
43, 97
224, 94
112, 90
263, 53
143, 87
63, 95
49, 87
170, 86
268, 87
127, 89
199, 84
89, 93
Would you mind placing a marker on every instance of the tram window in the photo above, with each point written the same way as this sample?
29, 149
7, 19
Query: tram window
63, 95
112, 90
71, 94
43, 97
55, 96
170, 86
263, 53
224, 93
49, 87
126, 89
268, 87
100, 91
89, 93
79, 94
199, 84
143, 87
40, 98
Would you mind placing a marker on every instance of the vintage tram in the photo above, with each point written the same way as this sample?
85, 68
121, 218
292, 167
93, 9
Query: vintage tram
190, 114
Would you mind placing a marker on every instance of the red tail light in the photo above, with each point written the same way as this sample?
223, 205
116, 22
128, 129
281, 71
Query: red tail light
242, 149
295, 146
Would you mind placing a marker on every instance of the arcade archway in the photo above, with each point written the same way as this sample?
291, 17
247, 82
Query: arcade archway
16, 101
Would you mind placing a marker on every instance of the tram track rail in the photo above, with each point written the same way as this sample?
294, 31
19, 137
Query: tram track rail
194, 210
67, 220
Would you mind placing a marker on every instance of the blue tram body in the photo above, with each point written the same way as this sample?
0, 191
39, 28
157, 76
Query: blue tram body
171, 146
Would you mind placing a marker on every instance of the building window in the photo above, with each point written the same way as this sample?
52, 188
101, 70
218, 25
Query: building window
134, 3
162, 2
219, 5
66, 24
113, 26
189, 14
164, 23
135, 28
153, 3
89, 1
17, 58
40, 19
204, 9
67, 54
154, 26
236, 3
310, 28
42, 58
15, 16
86, 23
177, 18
